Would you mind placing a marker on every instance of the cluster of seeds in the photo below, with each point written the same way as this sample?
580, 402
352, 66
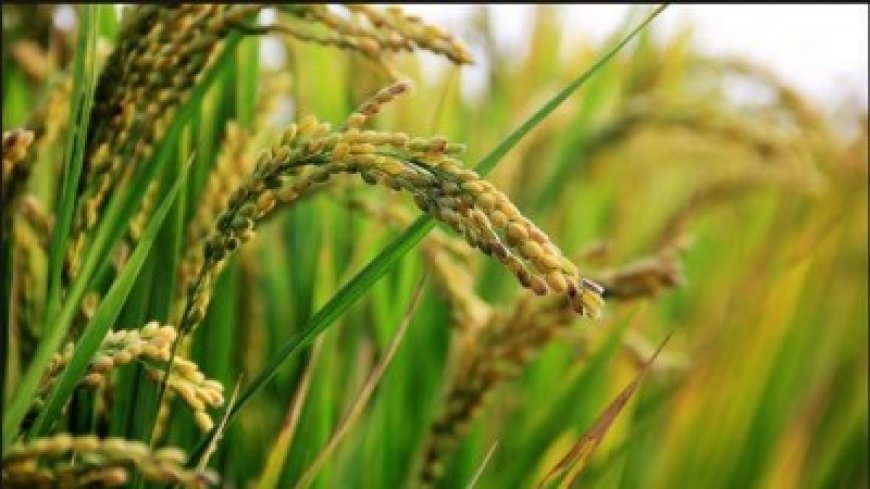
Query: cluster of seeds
162, 54
118, 348
151, 346
422, 167
194, 389
33, 60
382, 31
372, 106
34, 41
404, 31
98, 462
506, 341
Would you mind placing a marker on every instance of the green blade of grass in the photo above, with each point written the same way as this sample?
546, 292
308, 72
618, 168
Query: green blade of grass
103, 319
84, 80
397, 249
165, 252
339, 303
576, 137
113, 225
490, 160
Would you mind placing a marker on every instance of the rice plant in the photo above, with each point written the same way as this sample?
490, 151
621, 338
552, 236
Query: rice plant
256, 246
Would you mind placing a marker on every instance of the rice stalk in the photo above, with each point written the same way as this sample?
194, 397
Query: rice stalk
150, 346
375, 33
44, 462
423, 167
164, 51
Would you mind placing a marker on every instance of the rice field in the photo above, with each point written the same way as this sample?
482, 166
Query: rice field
328, 267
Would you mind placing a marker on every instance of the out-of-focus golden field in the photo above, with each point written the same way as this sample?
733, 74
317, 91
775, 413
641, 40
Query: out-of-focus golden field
331, 349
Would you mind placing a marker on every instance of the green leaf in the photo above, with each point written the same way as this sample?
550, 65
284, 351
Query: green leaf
84, 80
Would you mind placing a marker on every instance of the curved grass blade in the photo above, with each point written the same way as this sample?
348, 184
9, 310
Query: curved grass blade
576, 458
84, 81
103, 319
582, 388
490, 160
113, 224
390, 256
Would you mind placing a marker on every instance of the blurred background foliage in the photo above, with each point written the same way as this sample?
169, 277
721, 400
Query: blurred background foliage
764, 381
